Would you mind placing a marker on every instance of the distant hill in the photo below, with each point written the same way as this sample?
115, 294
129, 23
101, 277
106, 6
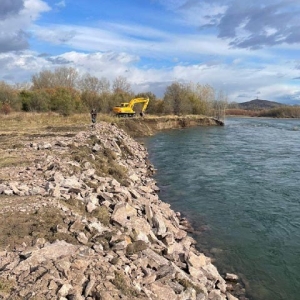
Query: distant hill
259, 104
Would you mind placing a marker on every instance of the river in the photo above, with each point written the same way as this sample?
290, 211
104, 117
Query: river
239, 185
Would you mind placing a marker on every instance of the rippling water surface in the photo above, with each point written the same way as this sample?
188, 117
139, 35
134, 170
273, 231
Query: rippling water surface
240, 186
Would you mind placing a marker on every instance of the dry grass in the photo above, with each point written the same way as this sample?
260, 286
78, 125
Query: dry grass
6, 286
122, 284
26, 227
102, 214
11, 161
104, 163
50, 124
29, 123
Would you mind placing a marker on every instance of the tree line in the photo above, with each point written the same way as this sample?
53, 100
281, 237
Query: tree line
65, 91
286, 111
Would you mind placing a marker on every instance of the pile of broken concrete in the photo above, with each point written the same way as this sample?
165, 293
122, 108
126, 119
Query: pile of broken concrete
141, 250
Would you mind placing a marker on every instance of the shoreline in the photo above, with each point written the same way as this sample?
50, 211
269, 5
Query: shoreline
142, 244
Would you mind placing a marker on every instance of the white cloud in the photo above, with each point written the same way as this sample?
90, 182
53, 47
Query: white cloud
202, 14
13, 34
245, 24
231, 79
61, 3
34, 8
150, 43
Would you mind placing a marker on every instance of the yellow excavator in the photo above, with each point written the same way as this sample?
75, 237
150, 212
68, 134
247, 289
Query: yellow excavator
126, 109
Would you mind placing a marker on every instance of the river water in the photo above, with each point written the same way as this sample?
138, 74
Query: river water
239, 185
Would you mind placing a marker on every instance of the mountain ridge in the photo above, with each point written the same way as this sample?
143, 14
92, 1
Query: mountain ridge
260, 104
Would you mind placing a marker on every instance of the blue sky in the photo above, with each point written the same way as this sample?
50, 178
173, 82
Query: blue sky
246, 49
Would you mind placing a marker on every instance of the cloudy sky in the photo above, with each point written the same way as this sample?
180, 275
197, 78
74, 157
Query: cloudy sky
246, 49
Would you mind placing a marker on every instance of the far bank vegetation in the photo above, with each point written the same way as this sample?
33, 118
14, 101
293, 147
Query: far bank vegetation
66, 92
281, 111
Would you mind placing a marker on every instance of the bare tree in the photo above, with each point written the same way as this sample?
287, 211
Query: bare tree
95, 92
21, 86
43, 80
94, 84
104, 85
121, 86
186, 98
121, 92
203, 98
61, 77
220, 105
66, 77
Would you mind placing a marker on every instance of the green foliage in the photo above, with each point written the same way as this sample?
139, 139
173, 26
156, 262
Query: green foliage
65, 101
37, 101
100, 102
105, 103
91, 100
155, 105
61, 101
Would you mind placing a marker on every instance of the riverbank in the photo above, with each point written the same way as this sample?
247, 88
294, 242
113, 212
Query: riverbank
83, 220
150, 125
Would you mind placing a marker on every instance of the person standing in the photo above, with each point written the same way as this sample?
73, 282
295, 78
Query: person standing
93, 116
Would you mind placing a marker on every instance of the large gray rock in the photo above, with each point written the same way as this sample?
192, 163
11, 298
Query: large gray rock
162, 292
71, 182
49, 252
197, 261
122, 214
159, 225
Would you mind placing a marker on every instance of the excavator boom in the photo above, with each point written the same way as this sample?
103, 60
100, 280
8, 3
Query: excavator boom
126, 109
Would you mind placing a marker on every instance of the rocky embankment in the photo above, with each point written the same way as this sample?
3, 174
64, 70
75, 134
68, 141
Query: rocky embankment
83, 220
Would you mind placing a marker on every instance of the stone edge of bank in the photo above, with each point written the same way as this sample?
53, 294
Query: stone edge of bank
141, 250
